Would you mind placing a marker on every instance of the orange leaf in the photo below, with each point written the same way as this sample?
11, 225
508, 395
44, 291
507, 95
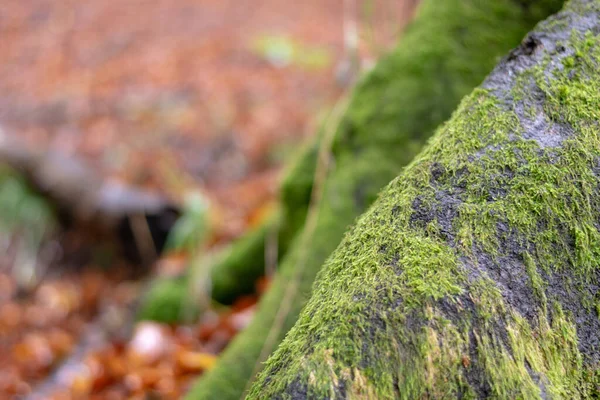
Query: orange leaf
195, 361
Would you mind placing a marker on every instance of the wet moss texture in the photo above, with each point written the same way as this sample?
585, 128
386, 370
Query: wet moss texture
476, 273
444, 53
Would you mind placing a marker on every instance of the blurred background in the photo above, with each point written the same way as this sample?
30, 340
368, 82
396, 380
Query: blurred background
199, 103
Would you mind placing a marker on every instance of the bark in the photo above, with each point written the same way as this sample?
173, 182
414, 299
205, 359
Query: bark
476, 274
445, 52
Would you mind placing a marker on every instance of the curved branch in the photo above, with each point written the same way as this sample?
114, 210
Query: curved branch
477, 272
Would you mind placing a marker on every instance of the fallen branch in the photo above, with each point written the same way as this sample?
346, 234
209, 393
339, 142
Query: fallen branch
138, 220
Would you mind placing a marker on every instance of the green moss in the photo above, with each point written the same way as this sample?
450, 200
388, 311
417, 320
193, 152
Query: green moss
240, 265
445, 52
535, 360
24, 214
430, 294
164, 301
244, 262
537, 283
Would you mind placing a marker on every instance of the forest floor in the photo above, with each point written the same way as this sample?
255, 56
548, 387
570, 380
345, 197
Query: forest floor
178, 96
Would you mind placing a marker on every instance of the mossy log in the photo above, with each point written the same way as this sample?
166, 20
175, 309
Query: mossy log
476, 274
444, 53
136, 220
237, 268
245, 261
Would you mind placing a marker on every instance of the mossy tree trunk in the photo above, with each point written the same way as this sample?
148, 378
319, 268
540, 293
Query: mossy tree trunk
445, 52
476, 274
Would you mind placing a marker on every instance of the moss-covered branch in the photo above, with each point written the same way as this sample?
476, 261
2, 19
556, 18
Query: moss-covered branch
245, 262
477, 272
446, 51
238, 267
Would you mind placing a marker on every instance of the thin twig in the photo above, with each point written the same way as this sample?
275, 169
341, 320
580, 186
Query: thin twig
143, 238
271, 249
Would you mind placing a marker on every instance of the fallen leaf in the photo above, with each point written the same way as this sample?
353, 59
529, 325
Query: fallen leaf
195, 361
